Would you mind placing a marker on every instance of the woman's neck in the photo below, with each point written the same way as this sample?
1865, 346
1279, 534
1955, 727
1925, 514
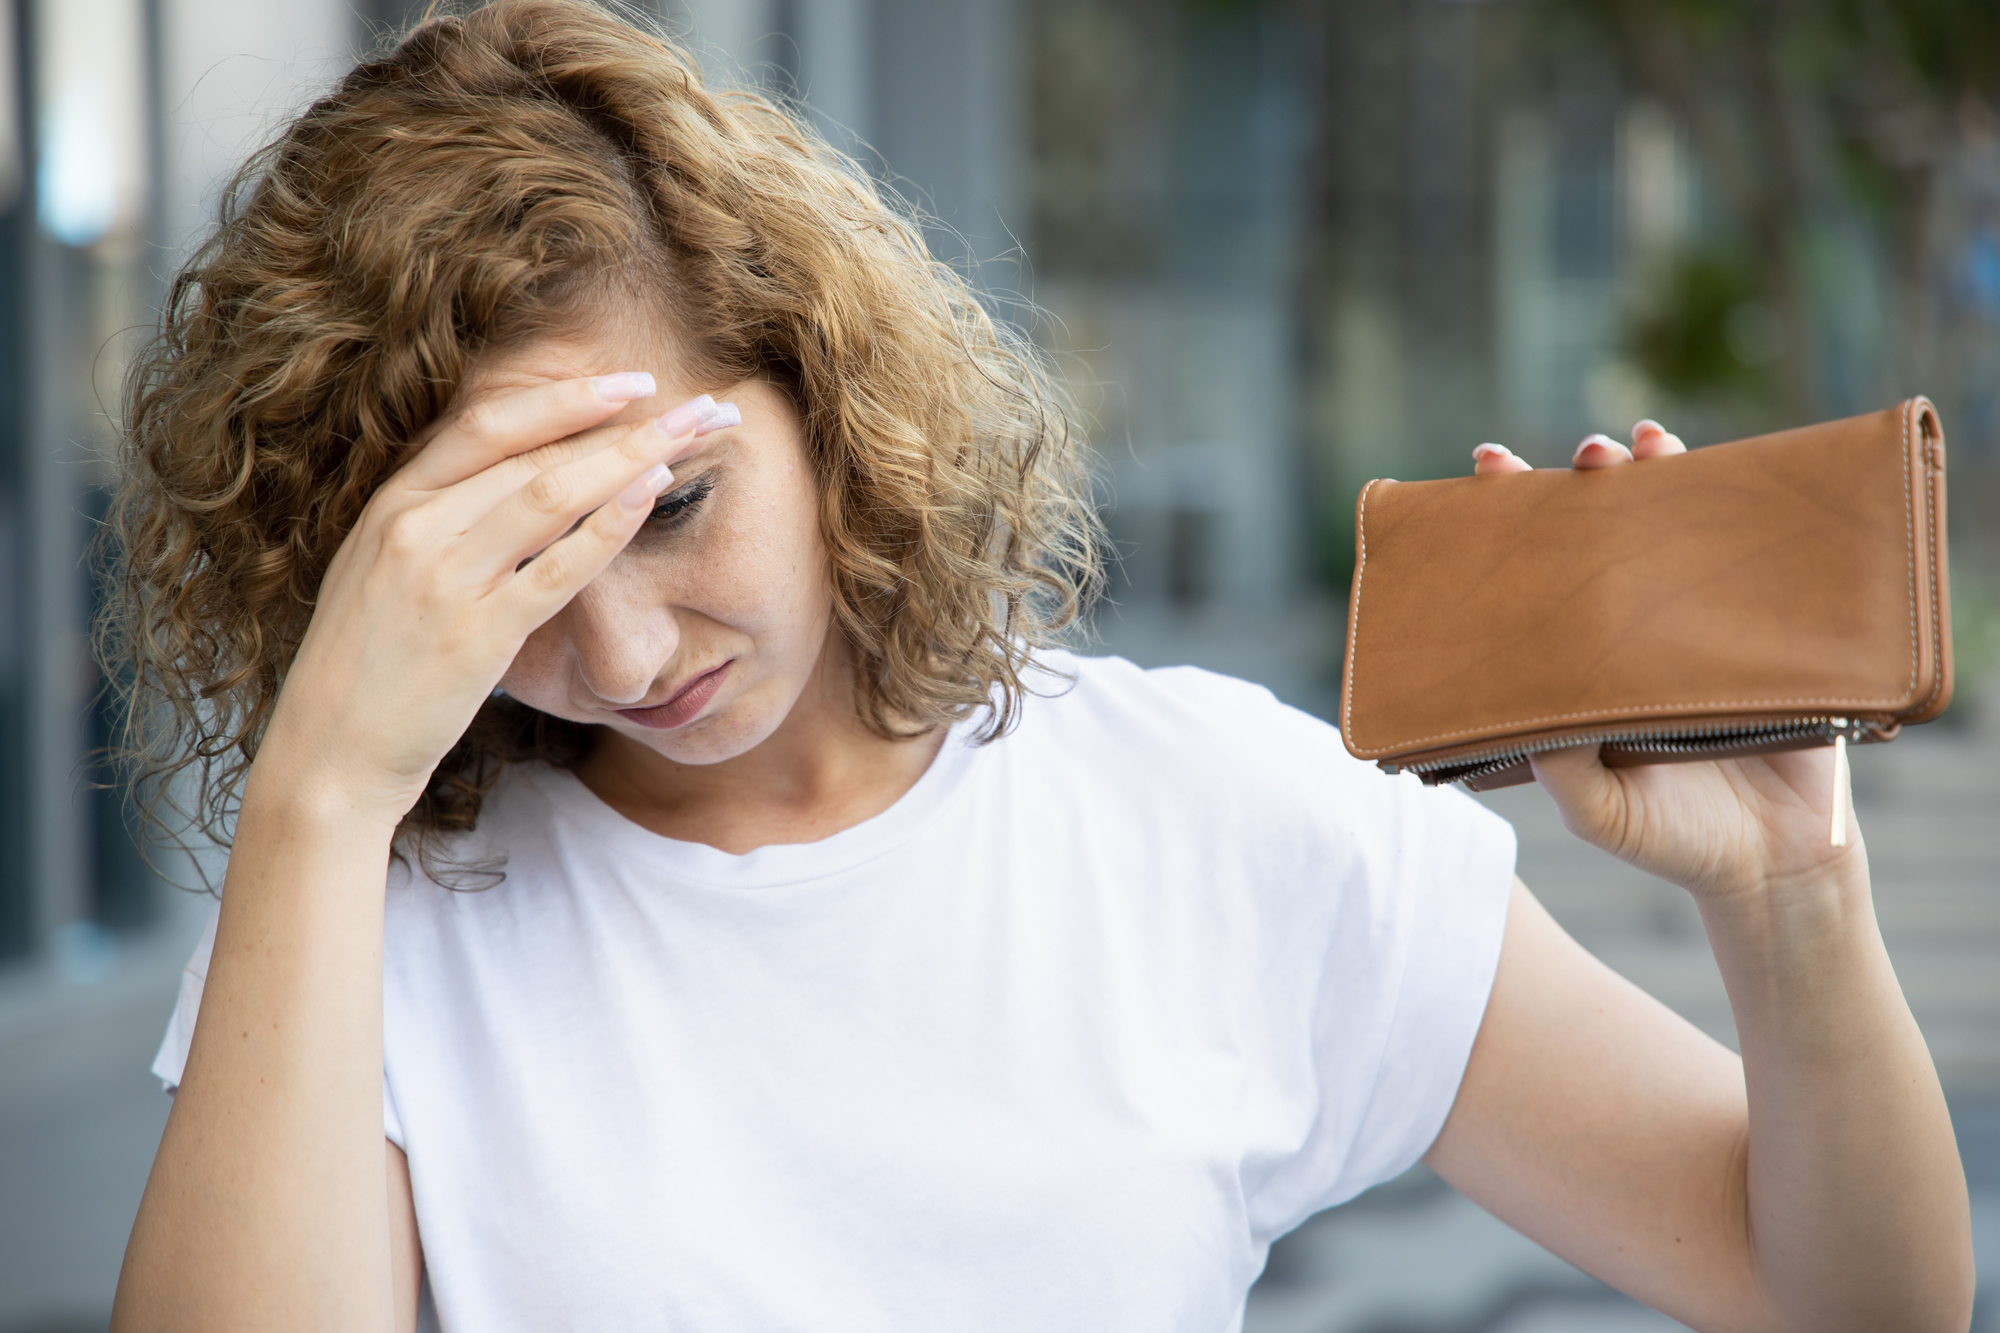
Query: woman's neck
821, 771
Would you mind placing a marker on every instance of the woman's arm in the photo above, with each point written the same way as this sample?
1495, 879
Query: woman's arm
1812, 1186
406, 1248
266, 1205
265, 1208
1826, 1197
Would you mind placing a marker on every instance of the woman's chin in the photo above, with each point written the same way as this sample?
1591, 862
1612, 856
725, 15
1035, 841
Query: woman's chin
711, 738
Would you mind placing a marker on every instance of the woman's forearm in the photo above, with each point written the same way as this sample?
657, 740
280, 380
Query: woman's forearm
1856, 1200
265, 1207
268, 1202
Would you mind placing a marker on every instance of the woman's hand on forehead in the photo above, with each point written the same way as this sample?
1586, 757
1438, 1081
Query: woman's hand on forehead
550, 423
503, 515
500, 441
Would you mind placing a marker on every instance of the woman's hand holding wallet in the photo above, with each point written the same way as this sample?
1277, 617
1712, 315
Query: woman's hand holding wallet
1713, 827
1753, 606
1719, 829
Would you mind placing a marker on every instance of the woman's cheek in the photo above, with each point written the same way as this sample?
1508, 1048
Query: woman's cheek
535, 676
744, 582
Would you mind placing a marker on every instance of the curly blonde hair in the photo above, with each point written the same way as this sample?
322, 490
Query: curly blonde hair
487, 182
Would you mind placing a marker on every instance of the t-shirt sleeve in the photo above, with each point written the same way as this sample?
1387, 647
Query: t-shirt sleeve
1410, 956
1452, 876
171, 1060
1382, 905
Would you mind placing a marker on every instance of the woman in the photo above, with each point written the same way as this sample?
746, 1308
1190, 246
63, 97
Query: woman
674, 831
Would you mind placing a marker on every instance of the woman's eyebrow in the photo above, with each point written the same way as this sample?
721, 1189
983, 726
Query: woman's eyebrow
707, 456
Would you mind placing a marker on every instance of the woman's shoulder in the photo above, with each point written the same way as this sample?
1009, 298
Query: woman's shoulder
1218, 767
1110, 708
1207, 741
1103, 681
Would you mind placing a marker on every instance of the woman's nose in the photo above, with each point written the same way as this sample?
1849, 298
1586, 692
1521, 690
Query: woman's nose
621, 644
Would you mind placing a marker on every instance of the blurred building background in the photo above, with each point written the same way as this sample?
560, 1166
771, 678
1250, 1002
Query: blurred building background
1279, 247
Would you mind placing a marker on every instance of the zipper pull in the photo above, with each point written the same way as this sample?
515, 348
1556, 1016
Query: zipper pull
1842, 800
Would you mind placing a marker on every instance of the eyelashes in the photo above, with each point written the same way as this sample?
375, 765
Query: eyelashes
676, 504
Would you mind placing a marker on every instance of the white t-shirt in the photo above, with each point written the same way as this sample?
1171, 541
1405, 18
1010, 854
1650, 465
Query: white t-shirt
1061, 1040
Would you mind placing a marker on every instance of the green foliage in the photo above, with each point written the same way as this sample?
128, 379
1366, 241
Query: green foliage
1975, 630
1866, 182
1975, 644
1090, 61
1953, 46
1224, 8
1705, 333
1332, 553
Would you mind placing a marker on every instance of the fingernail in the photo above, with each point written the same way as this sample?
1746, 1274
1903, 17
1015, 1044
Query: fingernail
1647, 423
1588, 440
725, 416
687, 417
1491, 451
647, 488
623, 387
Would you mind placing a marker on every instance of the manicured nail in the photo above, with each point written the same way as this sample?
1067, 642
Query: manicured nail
647, 488
623, 387
1605, 440
1492, 451
725, 416
1646, 423
686, 418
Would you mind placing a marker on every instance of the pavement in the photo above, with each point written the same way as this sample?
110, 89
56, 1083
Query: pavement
80, 1116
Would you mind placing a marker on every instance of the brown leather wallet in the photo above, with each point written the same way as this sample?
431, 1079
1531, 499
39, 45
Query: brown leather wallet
1772, 594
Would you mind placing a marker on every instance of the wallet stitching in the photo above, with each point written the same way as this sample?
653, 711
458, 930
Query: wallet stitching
1910, 549
1354, 622
1930, 560
1354, 614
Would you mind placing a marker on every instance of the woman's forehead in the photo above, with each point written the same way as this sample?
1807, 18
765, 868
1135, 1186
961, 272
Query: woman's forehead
619, 345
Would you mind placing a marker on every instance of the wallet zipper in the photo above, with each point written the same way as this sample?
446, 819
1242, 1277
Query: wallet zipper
1690, 740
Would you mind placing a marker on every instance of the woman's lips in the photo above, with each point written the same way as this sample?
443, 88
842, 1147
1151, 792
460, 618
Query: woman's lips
689, 700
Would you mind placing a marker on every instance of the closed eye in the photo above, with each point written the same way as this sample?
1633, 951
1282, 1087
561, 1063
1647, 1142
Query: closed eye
676, 503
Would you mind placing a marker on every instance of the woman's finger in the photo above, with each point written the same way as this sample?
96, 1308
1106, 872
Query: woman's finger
545, 586
1652, 440
1488, 459
501, 425
464, 505
552, 502
1599, 451
1587, 795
